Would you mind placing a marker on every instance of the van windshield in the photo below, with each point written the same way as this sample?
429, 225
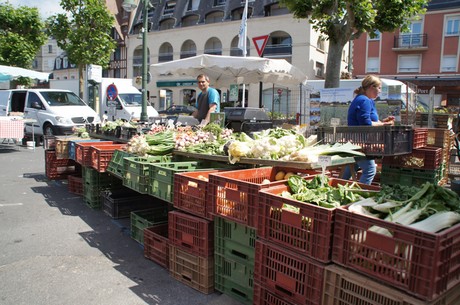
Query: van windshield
131, 99
58, 98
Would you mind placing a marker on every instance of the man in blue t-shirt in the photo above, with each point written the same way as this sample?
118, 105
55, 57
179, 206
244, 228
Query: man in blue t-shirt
207, 102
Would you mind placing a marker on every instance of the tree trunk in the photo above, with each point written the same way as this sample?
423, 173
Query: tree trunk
334, 60
81, 81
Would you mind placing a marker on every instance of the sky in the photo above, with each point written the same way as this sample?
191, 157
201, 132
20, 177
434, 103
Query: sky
45, 7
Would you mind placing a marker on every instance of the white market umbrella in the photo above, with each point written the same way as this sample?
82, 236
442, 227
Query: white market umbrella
8, 73
227, 70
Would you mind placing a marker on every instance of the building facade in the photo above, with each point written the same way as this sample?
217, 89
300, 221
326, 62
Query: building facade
427, 56
184, 28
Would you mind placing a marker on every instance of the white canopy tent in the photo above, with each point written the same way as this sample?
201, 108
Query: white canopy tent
227, 70
9, 73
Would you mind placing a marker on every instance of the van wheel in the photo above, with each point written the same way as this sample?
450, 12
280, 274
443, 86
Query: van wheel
48, 130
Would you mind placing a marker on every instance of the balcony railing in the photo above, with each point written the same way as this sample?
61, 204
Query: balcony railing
410, 41
165, 57
278, 49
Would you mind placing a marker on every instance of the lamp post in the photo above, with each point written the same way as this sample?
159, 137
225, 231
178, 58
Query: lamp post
129, 5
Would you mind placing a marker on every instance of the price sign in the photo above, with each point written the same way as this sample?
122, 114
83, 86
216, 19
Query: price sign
324, 161
335, 122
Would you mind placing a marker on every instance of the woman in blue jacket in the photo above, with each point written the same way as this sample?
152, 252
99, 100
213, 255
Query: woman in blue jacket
362, 112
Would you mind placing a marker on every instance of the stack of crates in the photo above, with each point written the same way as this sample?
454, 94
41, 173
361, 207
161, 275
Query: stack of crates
235, 197
58, 169
94, 183
409, 266
190, 236
75, 184
140, 220
428, 161
101, 155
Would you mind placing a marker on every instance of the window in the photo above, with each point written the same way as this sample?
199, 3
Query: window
449, 63
409, 63
414, 36
319, 71
166, 52
188, 49
50, 48
452, 25
320, 44
214, 17
167, 24
213, 46
376, 36
373, 64
190, 20
193, 5
169, 8
219, 2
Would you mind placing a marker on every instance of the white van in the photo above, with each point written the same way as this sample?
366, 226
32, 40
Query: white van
117, 98
49, 111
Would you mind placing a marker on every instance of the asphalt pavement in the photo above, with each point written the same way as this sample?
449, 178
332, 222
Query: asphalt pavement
54, 249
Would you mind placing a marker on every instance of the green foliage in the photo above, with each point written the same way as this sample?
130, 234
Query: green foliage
344, 20
84, 33
21, 35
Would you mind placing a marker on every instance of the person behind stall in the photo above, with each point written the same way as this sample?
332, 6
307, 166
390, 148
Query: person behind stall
363, 112
208, 100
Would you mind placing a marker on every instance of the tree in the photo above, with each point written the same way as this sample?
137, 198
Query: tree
22, 33
84, 33
343, 20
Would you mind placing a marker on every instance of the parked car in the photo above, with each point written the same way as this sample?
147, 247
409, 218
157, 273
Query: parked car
178, 109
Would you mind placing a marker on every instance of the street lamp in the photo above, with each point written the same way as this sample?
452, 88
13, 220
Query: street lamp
129, 5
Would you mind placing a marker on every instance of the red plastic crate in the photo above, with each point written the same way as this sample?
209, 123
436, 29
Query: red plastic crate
420, 137
192, 270
296, 278
191, 233
423, 264
82, 153
423, 158
191, 193
307, 231
102, 154
345, 287
57, 169
235, 194
156, 246
75, 184
263, 296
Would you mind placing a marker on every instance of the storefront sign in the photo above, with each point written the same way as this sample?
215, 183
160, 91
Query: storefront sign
179, 83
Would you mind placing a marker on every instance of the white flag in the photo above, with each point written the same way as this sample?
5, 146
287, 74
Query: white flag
243, 29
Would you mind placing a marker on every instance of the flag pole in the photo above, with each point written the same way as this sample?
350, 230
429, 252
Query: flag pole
242, 43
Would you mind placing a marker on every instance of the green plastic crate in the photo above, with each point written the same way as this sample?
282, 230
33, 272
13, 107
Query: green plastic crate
162, 176
92, 196
234, 241
409, 176
147, 218
96, 179
141, 165
116, 166
136, 182
234, 279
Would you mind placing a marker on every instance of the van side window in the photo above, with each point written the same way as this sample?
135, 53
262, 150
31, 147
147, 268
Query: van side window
33, 97
18, 100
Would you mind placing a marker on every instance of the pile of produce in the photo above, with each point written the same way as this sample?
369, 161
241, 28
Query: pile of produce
430, 208
319, 191
285, 145
271, 144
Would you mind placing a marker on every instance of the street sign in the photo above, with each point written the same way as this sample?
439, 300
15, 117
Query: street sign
280, 91
260, 42
112, 92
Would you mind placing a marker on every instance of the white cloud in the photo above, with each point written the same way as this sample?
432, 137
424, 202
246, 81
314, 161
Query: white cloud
45, 7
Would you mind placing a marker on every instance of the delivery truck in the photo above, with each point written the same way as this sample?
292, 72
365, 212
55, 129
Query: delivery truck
117, 98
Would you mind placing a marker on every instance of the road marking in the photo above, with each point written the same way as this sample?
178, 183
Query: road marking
9, 204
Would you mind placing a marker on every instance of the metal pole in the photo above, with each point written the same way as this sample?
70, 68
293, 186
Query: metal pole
144, 116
